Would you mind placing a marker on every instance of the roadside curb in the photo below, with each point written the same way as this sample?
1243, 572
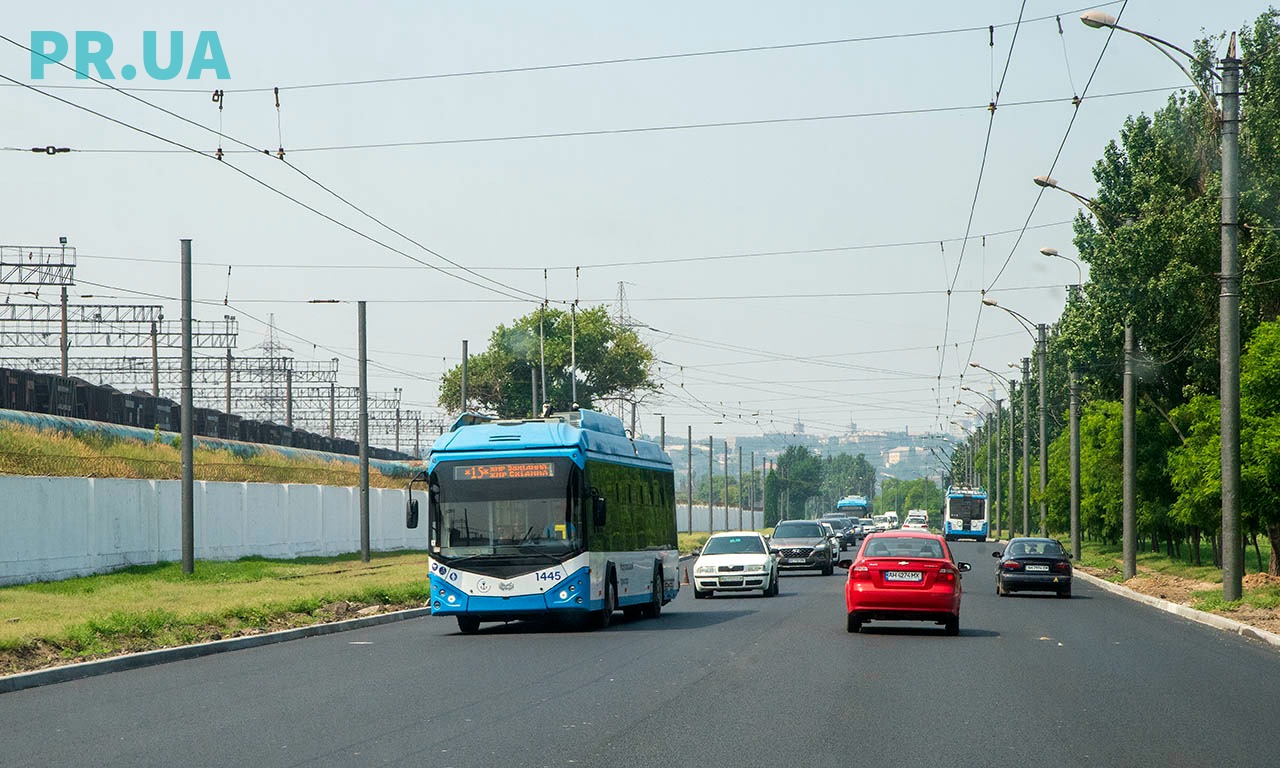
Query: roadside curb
1186, 612
84, 669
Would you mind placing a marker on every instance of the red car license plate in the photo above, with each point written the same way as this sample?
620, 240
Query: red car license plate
903, 576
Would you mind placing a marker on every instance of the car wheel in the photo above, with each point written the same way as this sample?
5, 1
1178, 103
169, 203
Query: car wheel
1065, 592
828, 568
772, 589
1000, 589
605, 617
852, 623
654, 608
468, 625
953, 625
698, 594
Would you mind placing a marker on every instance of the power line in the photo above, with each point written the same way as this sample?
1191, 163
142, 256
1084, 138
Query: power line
595, 62
308, 177
613, 264
609, 131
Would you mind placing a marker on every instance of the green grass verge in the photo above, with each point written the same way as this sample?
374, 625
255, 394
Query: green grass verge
28, 451
79, 619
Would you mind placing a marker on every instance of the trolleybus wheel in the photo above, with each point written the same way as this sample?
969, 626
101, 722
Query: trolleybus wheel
610, 605
468, 624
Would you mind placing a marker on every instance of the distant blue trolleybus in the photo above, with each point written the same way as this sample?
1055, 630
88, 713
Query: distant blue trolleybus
561, 516
964, 513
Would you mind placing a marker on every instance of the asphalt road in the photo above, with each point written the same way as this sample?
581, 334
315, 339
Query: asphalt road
732, 681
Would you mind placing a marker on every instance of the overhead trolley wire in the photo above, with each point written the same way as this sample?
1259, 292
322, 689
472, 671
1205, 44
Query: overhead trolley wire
598, 62
281, 156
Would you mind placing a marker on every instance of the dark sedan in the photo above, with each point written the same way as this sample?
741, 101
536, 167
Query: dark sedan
1033, 565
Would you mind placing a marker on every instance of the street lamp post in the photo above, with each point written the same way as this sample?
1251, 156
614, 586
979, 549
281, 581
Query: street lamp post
1041, 350
993, 464
1229, 287
1010, 386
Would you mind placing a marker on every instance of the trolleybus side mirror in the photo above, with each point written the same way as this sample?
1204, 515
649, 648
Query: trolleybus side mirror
411, 513
597, 509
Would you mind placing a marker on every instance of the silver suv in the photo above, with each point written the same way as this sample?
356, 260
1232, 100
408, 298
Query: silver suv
804, 544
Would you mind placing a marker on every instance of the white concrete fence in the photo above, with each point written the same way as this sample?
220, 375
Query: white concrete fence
719, 519
58, 527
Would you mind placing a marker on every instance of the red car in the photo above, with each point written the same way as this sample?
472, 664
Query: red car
904, 576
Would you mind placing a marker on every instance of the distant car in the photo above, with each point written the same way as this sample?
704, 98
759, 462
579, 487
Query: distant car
915, 525
917, 516
832, 534
737, 561
882, 522
866, 527
904, 576
1033, 565
844, 529
803, 544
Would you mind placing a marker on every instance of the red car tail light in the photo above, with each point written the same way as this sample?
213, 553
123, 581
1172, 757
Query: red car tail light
1062, 567
1011, 565
859, 573
946, 575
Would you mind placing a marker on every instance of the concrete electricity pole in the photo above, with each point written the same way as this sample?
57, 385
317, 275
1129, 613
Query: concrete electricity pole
1026, 447
1044, 448
1129, 534
188, 420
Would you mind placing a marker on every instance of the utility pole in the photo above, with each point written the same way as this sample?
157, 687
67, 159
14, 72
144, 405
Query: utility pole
1043, 350
188, 421
662, 432
1074, 389
66, 342
711, 484
726, 485
995, 491
155, 360
288, 397
464, 377
228, 393
1129, 535
752, 496
690, 478
332, 409
1013, 425
1026, 448
740, 488
364, 434
1229, 329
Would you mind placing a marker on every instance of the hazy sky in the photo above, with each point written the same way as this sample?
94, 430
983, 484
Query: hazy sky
794, 264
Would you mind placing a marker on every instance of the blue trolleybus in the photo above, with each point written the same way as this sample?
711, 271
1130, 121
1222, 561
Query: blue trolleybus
964, 513
560, 516
853, 506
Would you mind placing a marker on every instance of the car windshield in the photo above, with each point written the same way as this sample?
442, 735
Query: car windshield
1036, 548
839, 523
797, 530
734, 545
903, 546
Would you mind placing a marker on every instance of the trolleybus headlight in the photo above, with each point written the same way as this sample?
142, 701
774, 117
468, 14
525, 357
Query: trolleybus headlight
564, 594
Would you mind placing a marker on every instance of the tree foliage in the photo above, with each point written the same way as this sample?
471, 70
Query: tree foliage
612, 363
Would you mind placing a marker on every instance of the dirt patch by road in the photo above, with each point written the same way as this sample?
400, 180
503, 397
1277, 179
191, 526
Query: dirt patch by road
1177, 589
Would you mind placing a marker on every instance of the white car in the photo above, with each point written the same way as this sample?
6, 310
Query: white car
882, 522
916, 521
736, 561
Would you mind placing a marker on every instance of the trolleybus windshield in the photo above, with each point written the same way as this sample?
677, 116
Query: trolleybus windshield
506, 507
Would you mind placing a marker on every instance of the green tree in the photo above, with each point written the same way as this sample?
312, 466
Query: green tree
844, 475
612, 362
795, 478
